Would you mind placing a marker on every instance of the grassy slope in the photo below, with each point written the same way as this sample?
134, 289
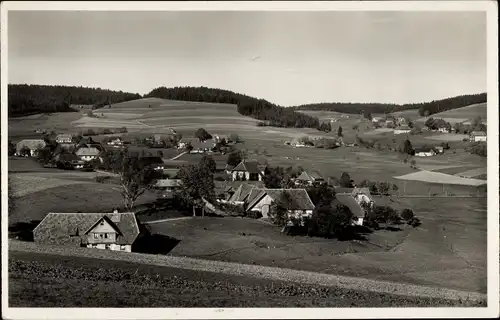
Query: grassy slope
461, 114
52, 281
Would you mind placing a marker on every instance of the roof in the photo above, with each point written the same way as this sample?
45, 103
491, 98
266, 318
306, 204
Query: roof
87, 152
309, 176
70, 228
349, 201
290, 199
242, 192
352, 191
64, 136
248, 166
32, 144
478, 133
165, 183
197, 144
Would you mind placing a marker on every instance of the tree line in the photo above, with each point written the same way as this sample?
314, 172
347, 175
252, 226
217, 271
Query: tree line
26, 99
424, 109
269, 113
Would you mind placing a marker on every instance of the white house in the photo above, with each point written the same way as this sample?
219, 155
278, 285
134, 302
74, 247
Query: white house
425, 152
88, 154
115, 141
477, 136
248, 171
402, 130
295, 201
112, 231
376, 119
64, 138
444, 129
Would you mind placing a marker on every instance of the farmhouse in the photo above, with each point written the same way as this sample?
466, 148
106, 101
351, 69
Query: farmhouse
64, 138
115, 142
425, 152
241, 195
167, 186
444, 129
477, 136
358, 213
33, 145
376, 119
402, 130
360, 194
248, 170
88, 154
309, 178
197, 145
111, 231
296, 202
69, 160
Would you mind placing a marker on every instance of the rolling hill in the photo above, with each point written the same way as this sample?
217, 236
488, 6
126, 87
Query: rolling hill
461, 115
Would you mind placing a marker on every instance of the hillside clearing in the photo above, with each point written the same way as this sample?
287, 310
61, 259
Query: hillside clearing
441, 178
449, 137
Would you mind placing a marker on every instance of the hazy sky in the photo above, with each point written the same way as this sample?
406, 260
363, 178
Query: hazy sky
286, 57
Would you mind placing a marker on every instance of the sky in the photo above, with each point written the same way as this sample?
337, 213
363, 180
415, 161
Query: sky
288, 58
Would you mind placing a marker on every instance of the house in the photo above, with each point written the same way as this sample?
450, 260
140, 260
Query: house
425, 152
361, 195
439, 149
33, 145
402, 130
197, 145
64, 138
389, 122
69, 160
167, 186
296, 202
218, 138
88, 154
309, 178
241, 195
376, 119
477, 136
444, 129
112, 231
248, 170
115, 142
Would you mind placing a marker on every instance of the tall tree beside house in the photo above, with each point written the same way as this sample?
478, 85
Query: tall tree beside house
202, 134
134, 180
44, 155
339, 132
208, 163
278, 214
329, 220
321, 194
197, 183
234, 158
346, 181
367, 114
407, 148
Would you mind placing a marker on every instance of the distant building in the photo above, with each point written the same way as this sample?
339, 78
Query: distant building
248, 170
296, 202
112, 231
439, 149
477, 136
33, 145
376, 119
402, 130
310, 178
88, 154
355, 199
64, 138
115, 142
444, 129
425, 152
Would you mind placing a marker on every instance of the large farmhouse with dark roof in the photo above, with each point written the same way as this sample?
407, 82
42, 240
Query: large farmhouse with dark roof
112, 231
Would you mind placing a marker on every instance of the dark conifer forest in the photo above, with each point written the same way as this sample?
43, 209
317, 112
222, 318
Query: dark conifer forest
425, 108
270, 113
30, 99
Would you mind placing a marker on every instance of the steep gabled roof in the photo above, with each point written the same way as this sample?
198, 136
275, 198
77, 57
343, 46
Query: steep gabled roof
64, 136
478, 133
164, 183
248, 166
242, 193
87, 152
309, 176
70, 228
291, 199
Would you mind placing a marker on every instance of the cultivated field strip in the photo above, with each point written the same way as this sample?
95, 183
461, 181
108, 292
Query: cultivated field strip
270, 273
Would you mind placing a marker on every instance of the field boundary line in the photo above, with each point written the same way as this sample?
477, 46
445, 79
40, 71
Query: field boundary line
270, 273
166, 220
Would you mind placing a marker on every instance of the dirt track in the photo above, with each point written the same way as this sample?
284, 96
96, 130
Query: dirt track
271, 273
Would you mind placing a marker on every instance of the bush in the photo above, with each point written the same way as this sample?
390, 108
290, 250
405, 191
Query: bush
407, 215
414, 222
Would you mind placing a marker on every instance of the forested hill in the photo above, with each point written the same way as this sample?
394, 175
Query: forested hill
425, 108
270, 113
29, 99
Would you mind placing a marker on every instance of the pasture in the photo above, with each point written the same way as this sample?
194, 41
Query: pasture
463, 114
447, 250
441, 178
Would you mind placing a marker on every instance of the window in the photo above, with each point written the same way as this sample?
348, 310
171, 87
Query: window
107, 246
96, 236
106, 235
122, 247
101, 235
94, 246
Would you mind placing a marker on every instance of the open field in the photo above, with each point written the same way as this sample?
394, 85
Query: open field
438, 177
450, 242
141, 285
449, 137
463, 114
